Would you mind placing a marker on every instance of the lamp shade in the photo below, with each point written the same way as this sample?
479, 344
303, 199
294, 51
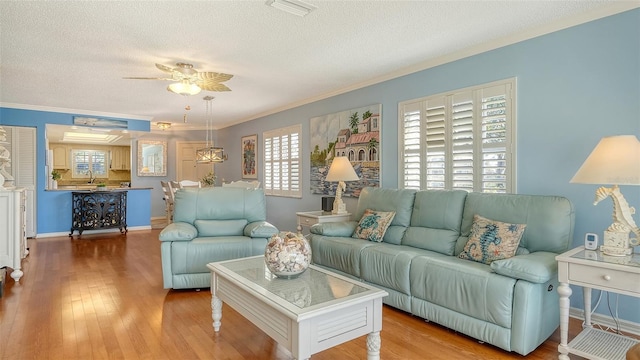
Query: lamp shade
341, 170
614, 161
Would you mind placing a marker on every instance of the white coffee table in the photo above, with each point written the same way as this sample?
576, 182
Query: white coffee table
308, 314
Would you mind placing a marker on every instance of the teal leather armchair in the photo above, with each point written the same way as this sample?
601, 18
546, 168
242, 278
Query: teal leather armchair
211, 224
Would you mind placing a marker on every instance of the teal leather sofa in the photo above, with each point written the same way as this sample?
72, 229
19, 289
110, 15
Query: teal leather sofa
211, 224
511, 303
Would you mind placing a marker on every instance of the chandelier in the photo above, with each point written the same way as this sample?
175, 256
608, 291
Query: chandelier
210, 153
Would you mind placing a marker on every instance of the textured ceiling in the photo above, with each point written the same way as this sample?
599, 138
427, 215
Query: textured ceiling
74, 54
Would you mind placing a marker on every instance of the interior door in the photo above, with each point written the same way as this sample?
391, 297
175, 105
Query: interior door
23, 169
186, 166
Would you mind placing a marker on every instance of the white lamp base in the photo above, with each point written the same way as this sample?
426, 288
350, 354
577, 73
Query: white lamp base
616, 243
339, 207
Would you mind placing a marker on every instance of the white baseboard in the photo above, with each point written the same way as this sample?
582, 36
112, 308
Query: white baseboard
66, 233
607, 321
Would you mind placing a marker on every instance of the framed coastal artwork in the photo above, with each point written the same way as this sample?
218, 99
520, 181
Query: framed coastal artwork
249, 157
352, 133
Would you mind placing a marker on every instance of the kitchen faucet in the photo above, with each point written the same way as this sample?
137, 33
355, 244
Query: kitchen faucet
91, 178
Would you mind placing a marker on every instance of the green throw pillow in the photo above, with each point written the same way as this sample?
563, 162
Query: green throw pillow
373, 225
492, 240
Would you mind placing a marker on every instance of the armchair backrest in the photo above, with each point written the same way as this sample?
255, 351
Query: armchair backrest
218, 203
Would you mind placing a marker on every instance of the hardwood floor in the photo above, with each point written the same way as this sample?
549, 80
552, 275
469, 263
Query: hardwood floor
101, 297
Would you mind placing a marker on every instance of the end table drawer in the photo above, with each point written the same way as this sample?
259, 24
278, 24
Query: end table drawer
307, 221
609, 278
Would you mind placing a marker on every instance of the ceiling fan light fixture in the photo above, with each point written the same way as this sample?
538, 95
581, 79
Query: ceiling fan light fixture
184, 88
295, 7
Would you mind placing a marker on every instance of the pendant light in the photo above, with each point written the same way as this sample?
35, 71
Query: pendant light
210, 154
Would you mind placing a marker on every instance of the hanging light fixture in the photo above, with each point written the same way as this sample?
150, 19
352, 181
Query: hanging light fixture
210, 154
163, 125
184, 88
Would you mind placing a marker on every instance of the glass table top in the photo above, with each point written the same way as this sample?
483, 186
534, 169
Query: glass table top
595, 255
312, 287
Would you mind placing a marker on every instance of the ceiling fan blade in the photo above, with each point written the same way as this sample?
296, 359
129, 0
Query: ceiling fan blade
214, 76
212, 86
145, 78
164, 68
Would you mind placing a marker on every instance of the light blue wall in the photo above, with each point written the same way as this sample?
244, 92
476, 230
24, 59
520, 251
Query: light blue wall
573, 87
54, 207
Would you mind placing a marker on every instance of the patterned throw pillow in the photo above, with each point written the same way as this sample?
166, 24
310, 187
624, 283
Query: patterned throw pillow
373, 225
491, 240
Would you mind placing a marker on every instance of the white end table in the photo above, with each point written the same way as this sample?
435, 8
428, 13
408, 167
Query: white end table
594, 270
309, 218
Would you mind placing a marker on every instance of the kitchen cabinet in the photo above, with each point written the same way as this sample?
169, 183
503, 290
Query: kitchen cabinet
60, 156
120, 158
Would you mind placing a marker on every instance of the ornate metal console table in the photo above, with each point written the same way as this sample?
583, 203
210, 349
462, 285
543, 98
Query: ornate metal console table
94, 210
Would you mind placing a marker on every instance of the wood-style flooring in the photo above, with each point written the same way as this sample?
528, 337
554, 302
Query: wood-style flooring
101, 297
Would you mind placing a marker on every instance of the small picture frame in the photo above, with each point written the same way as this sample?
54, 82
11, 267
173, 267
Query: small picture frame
249, 157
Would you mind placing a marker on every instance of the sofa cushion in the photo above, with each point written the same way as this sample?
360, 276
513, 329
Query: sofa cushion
373, 225
190, 257
492, 240
538, 267
220, 227
341, 253
400, 201
549, 219
388, 265
435, 221
463, 286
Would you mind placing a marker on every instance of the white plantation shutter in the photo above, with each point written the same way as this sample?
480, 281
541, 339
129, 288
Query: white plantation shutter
282, 175
460, 140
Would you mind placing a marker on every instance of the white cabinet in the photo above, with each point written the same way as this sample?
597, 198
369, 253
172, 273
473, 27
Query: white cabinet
120, 158
60, 156
13, 239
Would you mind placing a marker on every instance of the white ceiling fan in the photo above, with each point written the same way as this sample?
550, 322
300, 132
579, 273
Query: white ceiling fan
188, 81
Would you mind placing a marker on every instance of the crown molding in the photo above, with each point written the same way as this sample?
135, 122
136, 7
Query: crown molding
74, 111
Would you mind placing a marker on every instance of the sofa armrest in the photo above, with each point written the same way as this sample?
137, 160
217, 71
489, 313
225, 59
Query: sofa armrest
538, 267
342, 228
179, 231
260, 229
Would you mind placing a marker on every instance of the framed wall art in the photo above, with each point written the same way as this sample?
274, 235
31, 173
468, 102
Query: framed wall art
352, 133
249, 157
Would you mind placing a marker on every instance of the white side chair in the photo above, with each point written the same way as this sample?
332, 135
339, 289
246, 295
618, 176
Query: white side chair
189, 183
168, 200
243, 184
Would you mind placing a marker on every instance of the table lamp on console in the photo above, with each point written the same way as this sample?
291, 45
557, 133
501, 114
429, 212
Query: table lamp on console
614, 161
341, 171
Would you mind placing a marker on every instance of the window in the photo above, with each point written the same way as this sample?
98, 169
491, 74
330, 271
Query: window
85, 160
460, 140
282, 163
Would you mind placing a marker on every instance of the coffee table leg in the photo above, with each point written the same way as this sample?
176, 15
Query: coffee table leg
216, 312
373, 346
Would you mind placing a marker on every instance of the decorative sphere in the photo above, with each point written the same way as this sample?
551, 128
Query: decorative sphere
287, 255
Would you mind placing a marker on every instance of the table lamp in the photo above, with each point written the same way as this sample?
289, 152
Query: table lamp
341, 171
614, 161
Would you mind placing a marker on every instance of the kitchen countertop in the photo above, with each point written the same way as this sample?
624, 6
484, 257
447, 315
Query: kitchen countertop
94, 189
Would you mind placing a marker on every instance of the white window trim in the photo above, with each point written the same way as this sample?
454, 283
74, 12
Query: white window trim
511, 131
294, 191
75, 175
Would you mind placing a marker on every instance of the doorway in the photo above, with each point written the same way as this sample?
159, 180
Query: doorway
186, 166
